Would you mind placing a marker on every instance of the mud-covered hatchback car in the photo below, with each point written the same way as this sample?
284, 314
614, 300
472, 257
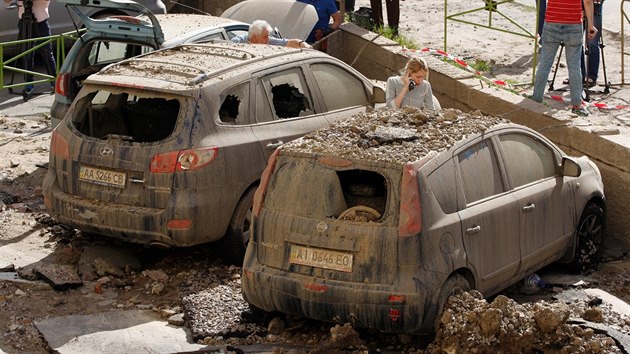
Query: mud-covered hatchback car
168, 148
377, 220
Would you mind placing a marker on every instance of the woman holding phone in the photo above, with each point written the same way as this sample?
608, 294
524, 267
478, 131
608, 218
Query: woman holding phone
411, 88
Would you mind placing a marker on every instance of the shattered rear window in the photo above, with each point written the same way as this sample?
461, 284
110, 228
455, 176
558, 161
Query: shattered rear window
126, 116
306, 188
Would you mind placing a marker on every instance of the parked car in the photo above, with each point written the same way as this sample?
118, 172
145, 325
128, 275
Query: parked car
377, 220
61, 20
167, 148
112, 39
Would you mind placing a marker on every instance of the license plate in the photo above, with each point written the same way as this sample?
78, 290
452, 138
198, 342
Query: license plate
102, 177
321, 258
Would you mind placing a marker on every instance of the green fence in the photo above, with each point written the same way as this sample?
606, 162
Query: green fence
492, 8
12, 68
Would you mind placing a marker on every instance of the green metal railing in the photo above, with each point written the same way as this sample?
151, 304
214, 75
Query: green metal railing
624, 20
491, 7
12, 64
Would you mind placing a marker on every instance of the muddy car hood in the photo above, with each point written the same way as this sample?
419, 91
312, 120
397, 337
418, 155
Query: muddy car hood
291, 18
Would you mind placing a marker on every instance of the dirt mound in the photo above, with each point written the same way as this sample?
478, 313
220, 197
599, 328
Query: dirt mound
394, 135
470, 324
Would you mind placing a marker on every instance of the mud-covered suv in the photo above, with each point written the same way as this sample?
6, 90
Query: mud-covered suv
377, 220
168, 148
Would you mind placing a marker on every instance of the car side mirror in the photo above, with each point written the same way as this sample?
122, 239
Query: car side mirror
379, 94
570, 167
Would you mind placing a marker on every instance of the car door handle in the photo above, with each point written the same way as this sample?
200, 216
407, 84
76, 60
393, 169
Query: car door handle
274, 145
473, 230
529, 207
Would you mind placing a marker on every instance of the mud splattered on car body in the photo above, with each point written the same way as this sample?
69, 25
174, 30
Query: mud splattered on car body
377, 220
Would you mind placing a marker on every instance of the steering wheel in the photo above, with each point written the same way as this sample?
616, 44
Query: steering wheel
360, 208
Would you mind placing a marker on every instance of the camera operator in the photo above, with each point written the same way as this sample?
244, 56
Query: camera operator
590, 69
33, 23
411, 88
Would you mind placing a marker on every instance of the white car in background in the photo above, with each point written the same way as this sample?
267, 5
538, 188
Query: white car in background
60, 19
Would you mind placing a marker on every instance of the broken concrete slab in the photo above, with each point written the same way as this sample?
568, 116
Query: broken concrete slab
616, 303
14, 277
621, 339
114, 332
60, 276
565, 280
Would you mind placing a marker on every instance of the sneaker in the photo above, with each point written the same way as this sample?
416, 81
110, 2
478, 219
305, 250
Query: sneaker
27, 93
580, 111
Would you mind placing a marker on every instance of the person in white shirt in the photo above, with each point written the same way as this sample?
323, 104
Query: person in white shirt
411, 88
259, 34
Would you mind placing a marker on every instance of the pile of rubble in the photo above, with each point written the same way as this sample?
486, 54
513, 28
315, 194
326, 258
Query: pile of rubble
394, 135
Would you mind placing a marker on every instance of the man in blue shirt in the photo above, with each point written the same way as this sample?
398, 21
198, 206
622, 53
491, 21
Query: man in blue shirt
259, 34
326, 9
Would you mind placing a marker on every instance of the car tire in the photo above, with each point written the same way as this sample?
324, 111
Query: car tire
237, 236
455, 284
590, 239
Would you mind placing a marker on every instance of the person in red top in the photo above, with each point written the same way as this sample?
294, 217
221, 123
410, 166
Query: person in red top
563, 24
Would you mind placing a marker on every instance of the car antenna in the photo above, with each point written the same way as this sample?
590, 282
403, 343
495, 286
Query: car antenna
189, 7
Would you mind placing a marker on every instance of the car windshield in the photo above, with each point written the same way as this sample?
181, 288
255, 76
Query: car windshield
307, 188
130, 116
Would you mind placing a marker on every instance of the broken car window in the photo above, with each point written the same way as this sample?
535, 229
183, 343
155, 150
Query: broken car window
290, 98
235, 105
127, 116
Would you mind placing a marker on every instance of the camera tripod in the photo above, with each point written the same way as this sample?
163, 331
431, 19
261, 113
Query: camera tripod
26, 26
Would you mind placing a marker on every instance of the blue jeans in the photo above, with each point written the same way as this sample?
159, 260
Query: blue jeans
553, 35
593, 46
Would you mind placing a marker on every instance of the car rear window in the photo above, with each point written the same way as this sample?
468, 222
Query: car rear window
306, 188
126, 115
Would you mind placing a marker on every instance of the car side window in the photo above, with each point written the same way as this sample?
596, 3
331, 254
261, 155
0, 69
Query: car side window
339, 88
108, 52
234, 107
480, 172
442, 185
289, 94
526, 159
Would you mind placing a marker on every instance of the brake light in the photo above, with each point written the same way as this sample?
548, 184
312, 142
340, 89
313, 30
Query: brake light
259, 196
61, 84
179, 224
410, 219
184, 160
59, 146
400, 299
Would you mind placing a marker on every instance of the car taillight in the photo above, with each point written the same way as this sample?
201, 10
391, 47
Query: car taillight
61, 84
410, 218
184, 160
59, 146
259, 196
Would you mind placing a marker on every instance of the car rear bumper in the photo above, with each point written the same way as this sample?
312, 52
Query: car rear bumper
363, 305
129, 223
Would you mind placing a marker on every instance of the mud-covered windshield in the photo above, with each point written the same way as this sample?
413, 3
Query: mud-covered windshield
129, 116
304, 187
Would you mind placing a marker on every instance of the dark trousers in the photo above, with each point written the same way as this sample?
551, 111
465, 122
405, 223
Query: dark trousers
393, 13
39, 29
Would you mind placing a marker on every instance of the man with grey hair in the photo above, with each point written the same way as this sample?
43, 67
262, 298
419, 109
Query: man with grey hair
259, 34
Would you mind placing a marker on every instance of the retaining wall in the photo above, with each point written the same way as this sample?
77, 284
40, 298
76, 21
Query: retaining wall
609, 146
